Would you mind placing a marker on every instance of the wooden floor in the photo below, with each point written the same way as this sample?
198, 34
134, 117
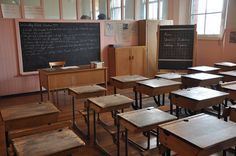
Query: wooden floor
104, 138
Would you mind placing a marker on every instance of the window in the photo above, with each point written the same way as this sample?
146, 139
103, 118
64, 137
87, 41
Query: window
100, 8
129, 9
208, 15
51, 9
115, 6
85, 9
140, 9
157, 9
69, 9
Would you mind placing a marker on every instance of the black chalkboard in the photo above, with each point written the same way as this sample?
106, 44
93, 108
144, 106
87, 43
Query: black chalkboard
74, 43
176, 45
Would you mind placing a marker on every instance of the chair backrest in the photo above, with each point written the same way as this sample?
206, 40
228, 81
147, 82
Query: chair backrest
57, 64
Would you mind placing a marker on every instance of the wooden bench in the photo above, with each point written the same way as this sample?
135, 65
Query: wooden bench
55, 139
82, 92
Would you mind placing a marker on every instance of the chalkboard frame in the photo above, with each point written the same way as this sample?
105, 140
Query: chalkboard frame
18, 40
194, 49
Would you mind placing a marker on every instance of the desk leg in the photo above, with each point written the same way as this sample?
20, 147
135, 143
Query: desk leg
177, 112
140, 101
41, 93
88, 124
135, 106
163, 99
114, 90
73, 110
94, 128
48, 95
126, 142
219, 111
118, 136
171, 108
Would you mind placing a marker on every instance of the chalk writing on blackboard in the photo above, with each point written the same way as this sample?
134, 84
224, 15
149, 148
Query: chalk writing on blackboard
176, 46
74, 43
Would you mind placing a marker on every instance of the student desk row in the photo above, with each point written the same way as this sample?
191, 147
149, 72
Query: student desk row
42, 142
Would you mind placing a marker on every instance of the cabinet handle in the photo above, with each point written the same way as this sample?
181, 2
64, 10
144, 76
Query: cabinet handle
132, 57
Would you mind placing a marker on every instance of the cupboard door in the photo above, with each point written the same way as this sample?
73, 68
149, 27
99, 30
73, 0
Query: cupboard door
138, 63
123, 57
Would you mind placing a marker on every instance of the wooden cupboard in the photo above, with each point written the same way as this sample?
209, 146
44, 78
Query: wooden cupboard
148, 37
127, 60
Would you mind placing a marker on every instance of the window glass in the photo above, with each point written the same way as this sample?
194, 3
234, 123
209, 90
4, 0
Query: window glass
32, 2
51, 9
129, 9
115, 6
153, 9
86, 9
140, 9
101, 8
207, 14
214, 6
163, 10
213, 22
69, 9
10, 2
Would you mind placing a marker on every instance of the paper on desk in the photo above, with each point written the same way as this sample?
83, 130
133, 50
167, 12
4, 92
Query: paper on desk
70, 67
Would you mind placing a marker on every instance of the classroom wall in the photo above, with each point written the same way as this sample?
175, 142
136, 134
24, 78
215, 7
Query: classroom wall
13, 83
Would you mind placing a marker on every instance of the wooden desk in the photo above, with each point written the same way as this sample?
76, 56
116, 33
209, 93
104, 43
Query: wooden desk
126, 81
55, 142
84, 92
229, 87
225, 66
200, 79
197, 98
203, 69
155, 87
199, 135
142, 120
170, 76
57, 78
28, 115
107, 104
229, 75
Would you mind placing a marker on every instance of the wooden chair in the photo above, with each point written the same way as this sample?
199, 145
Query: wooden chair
55, 65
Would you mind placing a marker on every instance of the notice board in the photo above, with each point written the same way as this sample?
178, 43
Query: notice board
176, 46
42, 42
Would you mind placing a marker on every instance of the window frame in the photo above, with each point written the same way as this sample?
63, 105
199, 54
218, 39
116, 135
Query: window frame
222, 25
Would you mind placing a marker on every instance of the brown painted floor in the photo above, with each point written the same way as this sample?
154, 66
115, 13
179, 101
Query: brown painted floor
104, 138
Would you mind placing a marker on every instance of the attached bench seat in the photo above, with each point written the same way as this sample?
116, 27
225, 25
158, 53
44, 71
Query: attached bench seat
54, 142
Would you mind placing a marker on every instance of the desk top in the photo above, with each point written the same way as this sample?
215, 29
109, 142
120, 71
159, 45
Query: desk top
129, 78
156, 83
169, 76
69, 69
225, 64
229, 86
87, 89
199, 93
201, 130
47, 143
202, 76
146, 117
203, 68
110, 100
28, 110
229, 73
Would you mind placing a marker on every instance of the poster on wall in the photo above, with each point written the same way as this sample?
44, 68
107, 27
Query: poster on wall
232, 37
109, 29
